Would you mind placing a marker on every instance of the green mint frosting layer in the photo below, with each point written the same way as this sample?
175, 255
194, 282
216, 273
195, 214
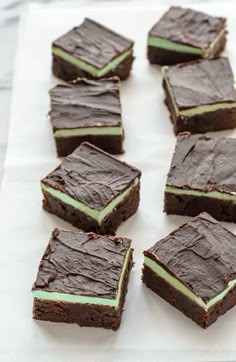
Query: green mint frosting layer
93, 131
97, 215
213, 194
175, 283
72, 298
88, 67
170, 45
206, 108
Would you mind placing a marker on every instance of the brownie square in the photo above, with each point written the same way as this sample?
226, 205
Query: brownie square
194, 269
91, 50
83, 278
87, 110
183, 35
200, 95
92, 190
202, 177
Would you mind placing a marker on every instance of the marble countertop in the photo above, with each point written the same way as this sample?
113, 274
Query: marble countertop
10, 11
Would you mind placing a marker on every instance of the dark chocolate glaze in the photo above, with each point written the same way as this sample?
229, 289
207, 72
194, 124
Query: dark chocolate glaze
188, 27
203, 163
202, 82
93, 43
82, 264
92, 176
201, 254
86, 103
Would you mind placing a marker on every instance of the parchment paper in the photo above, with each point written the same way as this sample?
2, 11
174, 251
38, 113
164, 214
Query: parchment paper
151, 329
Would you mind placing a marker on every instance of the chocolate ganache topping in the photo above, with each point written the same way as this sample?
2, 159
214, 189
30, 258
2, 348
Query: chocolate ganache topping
92, 176
203, 163
82, 264
188, 27
86, 103
93, 43
201, 254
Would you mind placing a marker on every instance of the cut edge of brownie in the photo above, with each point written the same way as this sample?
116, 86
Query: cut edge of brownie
162, 57
110, 144
184, 304
77, 218
68, 72
192, 205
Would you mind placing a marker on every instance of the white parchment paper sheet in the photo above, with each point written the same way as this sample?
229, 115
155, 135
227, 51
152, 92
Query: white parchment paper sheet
151, 329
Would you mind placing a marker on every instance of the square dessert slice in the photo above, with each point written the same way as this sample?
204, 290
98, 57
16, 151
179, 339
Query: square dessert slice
92, 190
202, 177
91, 50
183, 35
87, 110
83, 278
194, 269
200, 95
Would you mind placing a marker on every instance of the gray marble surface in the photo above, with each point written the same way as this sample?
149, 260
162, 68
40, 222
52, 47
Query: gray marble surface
10, 11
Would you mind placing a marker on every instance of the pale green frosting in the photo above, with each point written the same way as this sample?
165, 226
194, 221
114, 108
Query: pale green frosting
88, 67
89, 131
170, 45
206, 108
97, 215
213, 194
175, 283
82, 299
195, 110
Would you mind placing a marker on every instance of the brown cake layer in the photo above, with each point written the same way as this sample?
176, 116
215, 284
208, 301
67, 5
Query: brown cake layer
193, 205
77, 218
170, 57
110, 144
206, 122
68, 72
185, 305
86, 315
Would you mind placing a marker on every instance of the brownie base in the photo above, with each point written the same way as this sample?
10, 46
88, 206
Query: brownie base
170, 57
162, 56
110, 144
221, 210
192, 310
219, 120
85, 315
109, 225
68, 72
